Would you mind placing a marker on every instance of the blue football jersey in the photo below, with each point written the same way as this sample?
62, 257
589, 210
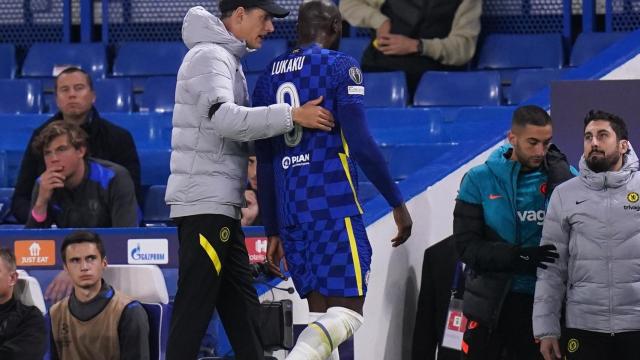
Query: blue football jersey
314, 176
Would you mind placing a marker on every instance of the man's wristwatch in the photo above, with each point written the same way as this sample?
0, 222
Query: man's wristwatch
419, 48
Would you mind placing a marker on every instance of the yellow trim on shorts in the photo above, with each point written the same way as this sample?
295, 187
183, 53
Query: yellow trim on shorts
354, 255
213, 255
345, 166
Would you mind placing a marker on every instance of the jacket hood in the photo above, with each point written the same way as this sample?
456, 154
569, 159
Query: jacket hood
199, 25
611, 179
501, 166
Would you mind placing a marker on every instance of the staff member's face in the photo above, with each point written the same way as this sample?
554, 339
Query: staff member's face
603, 151
255, 25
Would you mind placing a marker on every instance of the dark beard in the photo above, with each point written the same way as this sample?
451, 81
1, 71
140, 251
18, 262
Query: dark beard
602, 163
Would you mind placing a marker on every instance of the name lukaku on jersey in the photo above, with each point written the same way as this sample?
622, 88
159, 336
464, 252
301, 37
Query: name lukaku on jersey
283, 66
532, 215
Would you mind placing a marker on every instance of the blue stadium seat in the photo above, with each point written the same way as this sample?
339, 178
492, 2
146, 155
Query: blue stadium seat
7, 61
20, 96
145, 283
42, 58
113, 95
258, 60
155, 209
148, 58
588, 45
385, 89
509, 51
159, 94
49, 105
441, 88
14, 160
154, 165
506, 52
148, 130
354, 47
4, 181
527, 82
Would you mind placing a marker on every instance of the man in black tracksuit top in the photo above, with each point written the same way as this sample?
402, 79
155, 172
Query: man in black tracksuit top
75, 97
497, 228
22, 329
75, 191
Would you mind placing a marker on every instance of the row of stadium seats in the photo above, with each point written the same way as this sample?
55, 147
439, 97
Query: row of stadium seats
418, 138
497, 51
470, 88
526, 62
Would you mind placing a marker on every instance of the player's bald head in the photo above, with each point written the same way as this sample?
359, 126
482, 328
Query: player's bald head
317, 20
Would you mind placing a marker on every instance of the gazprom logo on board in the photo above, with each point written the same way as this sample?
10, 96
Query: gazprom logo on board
148, 251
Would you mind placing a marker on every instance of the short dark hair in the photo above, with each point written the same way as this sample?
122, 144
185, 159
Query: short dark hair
530, 115
617, 123
77, 137
71, 70
9, 258
78, 237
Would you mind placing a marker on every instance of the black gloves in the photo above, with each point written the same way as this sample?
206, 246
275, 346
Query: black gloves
528, 259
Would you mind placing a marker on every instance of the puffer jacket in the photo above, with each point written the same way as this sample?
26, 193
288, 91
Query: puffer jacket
209, 155
485, 230
593, 222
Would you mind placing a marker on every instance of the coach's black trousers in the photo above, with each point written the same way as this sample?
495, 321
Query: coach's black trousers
590, 345
213, 273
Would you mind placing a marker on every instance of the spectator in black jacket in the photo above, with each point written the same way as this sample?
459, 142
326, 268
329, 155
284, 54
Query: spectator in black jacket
75, 97
22, 330
438, 282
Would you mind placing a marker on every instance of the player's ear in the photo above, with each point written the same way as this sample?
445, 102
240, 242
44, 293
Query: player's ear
336, 25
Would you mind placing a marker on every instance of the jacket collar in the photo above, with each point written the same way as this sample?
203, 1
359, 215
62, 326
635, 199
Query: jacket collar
609, 179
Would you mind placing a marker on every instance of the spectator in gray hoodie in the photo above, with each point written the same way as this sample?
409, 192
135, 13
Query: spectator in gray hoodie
212, 124
593, 222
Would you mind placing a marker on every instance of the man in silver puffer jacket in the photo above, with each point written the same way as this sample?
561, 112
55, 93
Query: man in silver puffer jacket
212, 124
593, 220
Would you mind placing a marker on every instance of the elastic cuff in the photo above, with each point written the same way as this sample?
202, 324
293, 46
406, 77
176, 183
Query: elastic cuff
38, 217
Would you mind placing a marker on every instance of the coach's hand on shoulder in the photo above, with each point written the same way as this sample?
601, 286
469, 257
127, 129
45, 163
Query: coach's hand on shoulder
313, 116
403, 221
275, 254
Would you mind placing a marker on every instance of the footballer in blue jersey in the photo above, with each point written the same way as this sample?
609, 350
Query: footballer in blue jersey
307, 181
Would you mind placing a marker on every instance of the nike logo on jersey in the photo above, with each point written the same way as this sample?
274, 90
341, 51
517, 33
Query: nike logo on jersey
580, 202
493, 196
524, 257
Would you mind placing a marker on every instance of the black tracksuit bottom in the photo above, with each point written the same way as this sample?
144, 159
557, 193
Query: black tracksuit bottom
512, 339
213, 273
590, 345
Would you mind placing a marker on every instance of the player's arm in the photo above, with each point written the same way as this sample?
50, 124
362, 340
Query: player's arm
364, 150
40, 215
266, 183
